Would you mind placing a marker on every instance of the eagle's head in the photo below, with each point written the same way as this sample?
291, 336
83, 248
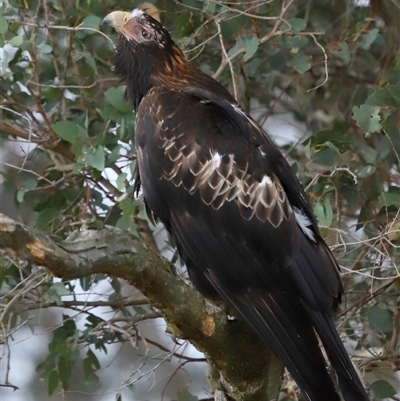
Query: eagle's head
146, 55
139, 28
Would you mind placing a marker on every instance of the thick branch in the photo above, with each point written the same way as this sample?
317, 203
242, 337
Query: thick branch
249, 371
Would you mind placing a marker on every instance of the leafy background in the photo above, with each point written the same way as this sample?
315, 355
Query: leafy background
324, 80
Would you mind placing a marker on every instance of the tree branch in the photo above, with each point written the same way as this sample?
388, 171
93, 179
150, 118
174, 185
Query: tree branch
50, 144
248, 370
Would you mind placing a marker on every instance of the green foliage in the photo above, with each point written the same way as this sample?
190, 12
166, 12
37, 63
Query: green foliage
383, 389
90, 365
116, 98
59, 94
324, 213
382, 319
56, 370
184, 395
69, 131
368, 118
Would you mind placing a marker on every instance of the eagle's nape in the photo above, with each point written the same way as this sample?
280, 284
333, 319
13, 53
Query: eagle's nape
239, 216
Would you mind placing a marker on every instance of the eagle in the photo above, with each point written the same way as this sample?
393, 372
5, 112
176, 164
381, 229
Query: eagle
242, 223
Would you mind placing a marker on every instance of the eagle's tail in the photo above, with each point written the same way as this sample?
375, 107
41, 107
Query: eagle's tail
349, 381
288, 328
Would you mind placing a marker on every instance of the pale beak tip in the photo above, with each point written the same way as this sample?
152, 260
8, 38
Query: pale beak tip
107, 20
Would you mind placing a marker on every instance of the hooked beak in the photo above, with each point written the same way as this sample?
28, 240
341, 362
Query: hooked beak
118, 20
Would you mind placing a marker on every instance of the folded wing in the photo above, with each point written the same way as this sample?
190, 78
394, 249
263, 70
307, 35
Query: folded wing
245, 228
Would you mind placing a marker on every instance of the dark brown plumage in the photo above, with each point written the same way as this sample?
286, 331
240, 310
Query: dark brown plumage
242, 222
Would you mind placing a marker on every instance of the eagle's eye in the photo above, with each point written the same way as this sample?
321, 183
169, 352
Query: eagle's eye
146, 35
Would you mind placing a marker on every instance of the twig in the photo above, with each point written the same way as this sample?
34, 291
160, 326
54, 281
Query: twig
325, 63
347, 170
226, 57
76, 86
274, 32
393, 147
68, 28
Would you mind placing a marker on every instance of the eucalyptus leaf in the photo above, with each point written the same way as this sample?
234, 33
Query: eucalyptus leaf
367, 118
369, 38
184, 395
120, 182
116, 97
367, 153
46, 216
59, 289
325, 156
52, 382
252, 47
16, 41
45, 48
343, 53
277, 61
96, 158
324, 212
3, 25
381, 318
301, 63
389, 199
91, 21
92, 382
383, 389
67, 130
297, 24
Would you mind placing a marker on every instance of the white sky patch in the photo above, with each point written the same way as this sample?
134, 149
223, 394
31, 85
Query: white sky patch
281, 125
137, 13
69, 95
304, 223
361, 3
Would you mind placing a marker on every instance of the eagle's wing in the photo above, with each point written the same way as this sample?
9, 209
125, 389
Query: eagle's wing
244, 226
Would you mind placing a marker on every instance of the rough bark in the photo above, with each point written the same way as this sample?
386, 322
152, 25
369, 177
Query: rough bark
246, 370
